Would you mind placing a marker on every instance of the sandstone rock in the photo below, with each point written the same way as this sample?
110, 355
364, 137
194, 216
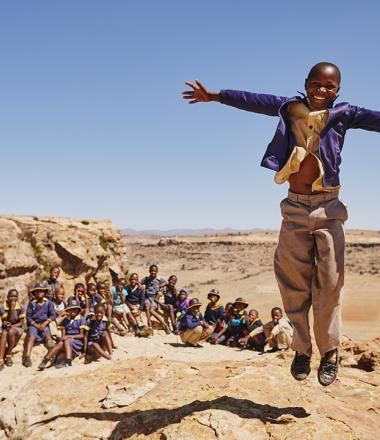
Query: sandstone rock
29, 246
123, 396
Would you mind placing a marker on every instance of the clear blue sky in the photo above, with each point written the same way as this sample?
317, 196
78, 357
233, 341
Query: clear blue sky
92, 124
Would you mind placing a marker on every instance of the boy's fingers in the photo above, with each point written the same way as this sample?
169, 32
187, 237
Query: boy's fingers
193, 101
201, 86
192, 85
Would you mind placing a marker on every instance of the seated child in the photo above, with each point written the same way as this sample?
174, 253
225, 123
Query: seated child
79, 296
71, 341
93, 298
193, 328
39, 314
169, 293
278, 332
152, 285
119, 307
254, 338
97, 340
238, 322
59, 307
221, 332
135, 298
214, 310
181, 303
12, 316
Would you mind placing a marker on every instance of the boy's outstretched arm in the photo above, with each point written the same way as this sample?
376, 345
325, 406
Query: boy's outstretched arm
253, 102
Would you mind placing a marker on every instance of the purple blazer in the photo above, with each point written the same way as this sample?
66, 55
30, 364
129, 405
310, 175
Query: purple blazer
341, 117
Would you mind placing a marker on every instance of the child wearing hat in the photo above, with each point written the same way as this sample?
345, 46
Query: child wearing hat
71, 343
12, 316
238, 322
193, 327
214, 310
39, 314
97, 340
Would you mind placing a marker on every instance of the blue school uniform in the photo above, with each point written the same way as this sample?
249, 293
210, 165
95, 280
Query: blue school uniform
136, 296
95, 299
81, 299
152, 286
73, 327
39, 313
19, 312
96, 328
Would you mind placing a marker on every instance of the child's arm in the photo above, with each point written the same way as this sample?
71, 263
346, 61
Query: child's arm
364, 119
253, 102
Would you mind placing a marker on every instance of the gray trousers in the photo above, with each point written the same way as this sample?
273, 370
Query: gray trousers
309, 267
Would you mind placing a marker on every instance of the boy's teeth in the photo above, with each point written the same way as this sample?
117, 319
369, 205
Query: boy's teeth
319, 98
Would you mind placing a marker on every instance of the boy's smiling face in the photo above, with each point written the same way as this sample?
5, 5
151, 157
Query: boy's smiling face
322, 86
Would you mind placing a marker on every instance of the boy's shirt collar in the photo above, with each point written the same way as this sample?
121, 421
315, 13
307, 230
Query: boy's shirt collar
43, 300
105, 319
17, 306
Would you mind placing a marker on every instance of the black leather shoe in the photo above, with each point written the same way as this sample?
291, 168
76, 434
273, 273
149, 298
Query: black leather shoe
328, 368
300, 367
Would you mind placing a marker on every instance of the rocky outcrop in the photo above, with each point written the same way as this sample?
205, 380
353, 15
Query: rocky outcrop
157, 389
29, 246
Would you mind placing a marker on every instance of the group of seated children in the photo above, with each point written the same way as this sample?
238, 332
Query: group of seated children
80, 326
233, 326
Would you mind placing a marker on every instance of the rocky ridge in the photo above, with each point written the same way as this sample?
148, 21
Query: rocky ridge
29, 246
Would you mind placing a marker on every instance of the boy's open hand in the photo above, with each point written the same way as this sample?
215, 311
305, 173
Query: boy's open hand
199, 93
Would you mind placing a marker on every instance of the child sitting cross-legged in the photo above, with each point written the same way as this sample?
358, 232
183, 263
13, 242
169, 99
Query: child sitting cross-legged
193, 329
278, 331
97, 339
254, 338
12, 315
238, 322
71, 342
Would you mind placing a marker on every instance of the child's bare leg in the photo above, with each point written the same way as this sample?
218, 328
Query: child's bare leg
107, 342
54, 351
13, 338
99, 350
68, 349
159, 318
3, 345
116, 323
148, 314
28, 346
170, 310
131, 319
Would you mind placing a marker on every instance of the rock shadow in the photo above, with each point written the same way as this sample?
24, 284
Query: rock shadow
146, 422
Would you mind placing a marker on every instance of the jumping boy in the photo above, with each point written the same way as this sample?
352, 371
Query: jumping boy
306, 152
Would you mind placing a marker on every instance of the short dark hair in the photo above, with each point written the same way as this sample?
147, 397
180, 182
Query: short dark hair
99, 306
276, 309
321, 65
153, 266
77, 285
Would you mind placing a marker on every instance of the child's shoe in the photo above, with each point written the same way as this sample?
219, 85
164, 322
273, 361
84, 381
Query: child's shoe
27, 362
167, 330
1, 366
328, 368
43, 364
8, 361
300, 368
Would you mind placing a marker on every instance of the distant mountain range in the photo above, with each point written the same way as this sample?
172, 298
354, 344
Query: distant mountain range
174, 232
